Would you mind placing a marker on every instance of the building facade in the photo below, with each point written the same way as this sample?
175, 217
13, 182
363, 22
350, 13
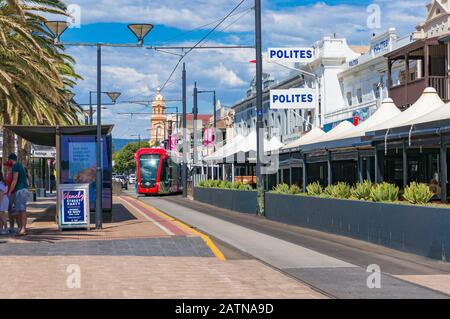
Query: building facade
287, 125
363, 84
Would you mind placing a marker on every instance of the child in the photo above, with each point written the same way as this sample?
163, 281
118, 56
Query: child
4, 205
11, 210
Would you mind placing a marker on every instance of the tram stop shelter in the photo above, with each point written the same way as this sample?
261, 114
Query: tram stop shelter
76, 156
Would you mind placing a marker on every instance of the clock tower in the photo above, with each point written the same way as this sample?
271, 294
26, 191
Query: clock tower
158, 119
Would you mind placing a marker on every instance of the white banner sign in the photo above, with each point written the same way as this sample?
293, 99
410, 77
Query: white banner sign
291, 55
300, 98
44, 154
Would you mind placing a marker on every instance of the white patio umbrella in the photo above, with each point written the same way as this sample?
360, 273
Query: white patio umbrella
311, 135
387, 111
342, 128
427, 103
228, 148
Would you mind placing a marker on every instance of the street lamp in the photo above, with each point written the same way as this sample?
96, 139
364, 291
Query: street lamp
140, 31
69, 96
57, 28
112, 95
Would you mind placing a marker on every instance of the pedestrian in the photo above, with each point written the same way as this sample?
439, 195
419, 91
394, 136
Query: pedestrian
13, 219
19, 192
4, 205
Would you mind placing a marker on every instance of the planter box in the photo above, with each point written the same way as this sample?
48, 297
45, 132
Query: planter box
239, 201
416, 229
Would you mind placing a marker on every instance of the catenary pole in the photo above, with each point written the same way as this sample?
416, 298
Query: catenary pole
185, 145
99, 177
259, 110
194, 123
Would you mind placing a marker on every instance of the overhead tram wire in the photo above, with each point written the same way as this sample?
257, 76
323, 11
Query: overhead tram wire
207, 25
201, 40
244, 13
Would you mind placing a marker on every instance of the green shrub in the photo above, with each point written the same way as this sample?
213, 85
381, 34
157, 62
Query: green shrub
245, 187
384, 192
282, 189
418, 194
362, 191
314, 189
287, 190
225, 185
295, 190
340, 190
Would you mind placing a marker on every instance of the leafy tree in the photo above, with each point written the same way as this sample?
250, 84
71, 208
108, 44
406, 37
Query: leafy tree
124, 159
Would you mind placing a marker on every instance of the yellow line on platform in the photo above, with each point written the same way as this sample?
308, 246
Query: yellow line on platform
216, 251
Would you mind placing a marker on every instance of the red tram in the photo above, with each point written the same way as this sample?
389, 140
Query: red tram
156, 172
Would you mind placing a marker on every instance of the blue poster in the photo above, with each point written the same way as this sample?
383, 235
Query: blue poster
74, 207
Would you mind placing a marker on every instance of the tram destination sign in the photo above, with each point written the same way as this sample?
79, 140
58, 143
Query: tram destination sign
298, 98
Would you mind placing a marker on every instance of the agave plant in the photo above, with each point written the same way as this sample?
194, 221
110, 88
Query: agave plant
314, 189
340, 190
384, 192
281, 189
418, 194
362, 191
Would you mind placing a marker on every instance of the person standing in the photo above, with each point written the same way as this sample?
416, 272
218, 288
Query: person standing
13, 219
4, 205
18, 193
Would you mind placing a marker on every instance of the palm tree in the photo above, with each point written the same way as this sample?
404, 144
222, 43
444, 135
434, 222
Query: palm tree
35, 74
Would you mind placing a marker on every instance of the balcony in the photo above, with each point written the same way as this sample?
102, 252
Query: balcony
405, 95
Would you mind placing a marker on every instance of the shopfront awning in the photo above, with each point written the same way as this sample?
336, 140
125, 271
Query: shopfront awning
46, 135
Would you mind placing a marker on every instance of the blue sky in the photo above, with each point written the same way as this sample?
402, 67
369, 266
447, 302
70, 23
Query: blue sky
138, 72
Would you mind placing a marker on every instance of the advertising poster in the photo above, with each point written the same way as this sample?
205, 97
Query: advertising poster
79, 165
74, 206
82, 159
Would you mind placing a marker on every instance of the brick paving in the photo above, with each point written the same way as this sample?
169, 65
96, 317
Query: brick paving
141, 254
146, 277
164, 246
128, 223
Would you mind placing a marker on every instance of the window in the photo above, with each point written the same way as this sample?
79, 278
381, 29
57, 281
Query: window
349, 99
376, 90
359, 95
149, 167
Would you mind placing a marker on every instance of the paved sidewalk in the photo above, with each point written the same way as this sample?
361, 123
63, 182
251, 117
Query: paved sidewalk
337, 276
146, 277
141, 254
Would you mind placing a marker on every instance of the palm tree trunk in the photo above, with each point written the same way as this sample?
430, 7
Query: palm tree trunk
8, 136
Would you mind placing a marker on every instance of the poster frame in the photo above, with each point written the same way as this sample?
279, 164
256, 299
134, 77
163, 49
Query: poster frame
86, 224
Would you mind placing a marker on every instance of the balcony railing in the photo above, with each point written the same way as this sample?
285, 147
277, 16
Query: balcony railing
440, 83
406, 95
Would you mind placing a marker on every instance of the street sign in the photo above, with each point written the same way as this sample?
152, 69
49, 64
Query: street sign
73, 206
44, 154
298, 98
291, 55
